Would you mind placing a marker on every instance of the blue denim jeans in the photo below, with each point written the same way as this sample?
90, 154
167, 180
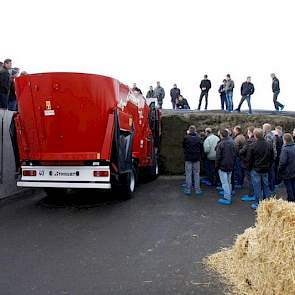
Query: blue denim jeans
229, 101
290, 187
225, 178
192, 170
239, 172
250, 185
260, 185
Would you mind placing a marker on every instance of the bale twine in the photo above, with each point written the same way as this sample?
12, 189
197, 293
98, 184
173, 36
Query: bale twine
262, 259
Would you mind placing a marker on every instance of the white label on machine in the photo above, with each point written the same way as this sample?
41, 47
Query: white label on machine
49, 112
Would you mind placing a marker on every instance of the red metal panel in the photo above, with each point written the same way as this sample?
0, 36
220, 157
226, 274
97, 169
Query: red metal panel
108, 139
79, 105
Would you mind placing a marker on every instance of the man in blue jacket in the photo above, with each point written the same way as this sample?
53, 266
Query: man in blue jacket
247, 89
287, 166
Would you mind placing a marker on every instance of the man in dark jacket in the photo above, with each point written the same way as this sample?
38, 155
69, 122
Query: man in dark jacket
159, 94
221, 91
182, 104
192, 146
260, 160
244, 152
205, 87
150, 93
12, 104
279, 142
5, 82
229, 91
276, 91
174, 93
225, 160
247, 89
287, 166
136, 89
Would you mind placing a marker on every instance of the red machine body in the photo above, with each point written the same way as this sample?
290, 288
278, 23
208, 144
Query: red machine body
74, 119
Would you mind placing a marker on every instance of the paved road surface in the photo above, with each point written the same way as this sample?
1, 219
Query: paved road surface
152, 244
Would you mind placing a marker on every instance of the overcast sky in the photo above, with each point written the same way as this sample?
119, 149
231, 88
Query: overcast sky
149, 40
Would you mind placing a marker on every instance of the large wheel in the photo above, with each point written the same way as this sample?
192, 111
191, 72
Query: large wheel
153, 171
128, 184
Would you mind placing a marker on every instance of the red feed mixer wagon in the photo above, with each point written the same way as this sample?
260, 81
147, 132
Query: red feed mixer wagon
77, 130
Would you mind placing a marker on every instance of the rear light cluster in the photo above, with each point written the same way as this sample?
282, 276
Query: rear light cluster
29, 173
100, 173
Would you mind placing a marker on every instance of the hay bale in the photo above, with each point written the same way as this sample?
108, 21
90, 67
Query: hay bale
262, 259
175, 123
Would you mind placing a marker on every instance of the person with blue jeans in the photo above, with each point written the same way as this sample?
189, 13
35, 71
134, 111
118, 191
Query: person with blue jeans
260, 160
229, 89
193, 148
245, 165
287, 166
225, 159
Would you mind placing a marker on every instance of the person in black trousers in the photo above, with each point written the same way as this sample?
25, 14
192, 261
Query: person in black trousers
247, 89
276, 91
205, 87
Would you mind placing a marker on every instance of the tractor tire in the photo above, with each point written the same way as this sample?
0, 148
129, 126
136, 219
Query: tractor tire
128, 184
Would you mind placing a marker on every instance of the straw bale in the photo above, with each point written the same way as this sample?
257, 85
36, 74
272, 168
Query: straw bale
262, 259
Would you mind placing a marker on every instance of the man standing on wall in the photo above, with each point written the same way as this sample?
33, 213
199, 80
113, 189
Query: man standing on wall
174, 93
159, 94
229, 90
205, 87
276, 91
247, 89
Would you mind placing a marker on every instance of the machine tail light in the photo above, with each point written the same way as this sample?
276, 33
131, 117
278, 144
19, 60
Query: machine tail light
100, 173
29, 173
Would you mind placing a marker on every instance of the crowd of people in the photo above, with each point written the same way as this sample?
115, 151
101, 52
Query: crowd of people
226, 90
7, 86
259, 161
